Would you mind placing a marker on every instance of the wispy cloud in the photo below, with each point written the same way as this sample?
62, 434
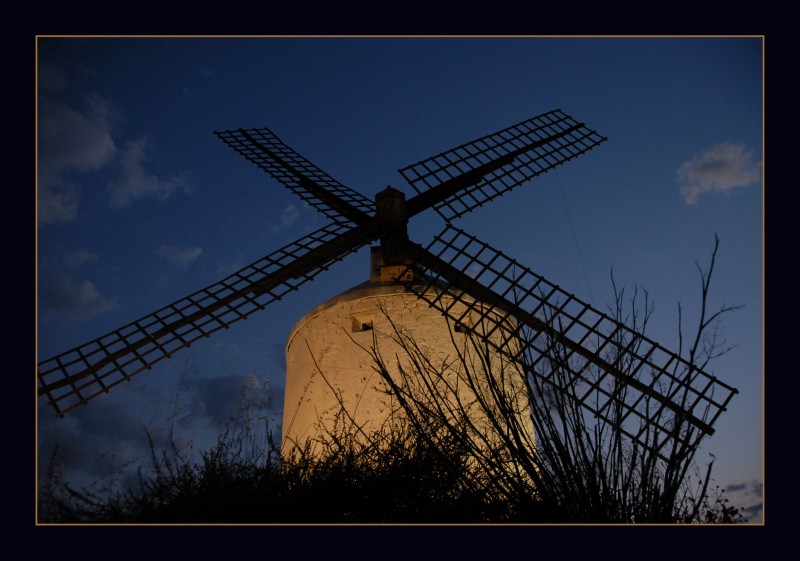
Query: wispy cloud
135, 182
101, 439
108, 436
753, 512
749, 493
64, 289
179, 256
719, 169
222, 270
225, 398
79, 257
287, 218
68, 296
69, 140
58, 202
753, 488
78, 137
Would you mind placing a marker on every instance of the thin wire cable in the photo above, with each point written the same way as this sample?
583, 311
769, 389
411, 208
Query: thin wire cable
214, 234
575, 238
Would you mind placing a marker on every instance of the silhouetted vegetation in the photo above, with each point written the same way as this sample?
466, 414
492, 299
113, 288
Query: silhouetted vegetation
401, 480
434, 463
394, 479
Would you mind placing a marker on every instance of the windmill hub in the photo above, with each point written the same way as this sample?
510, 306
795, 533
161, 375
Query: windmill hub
390, 262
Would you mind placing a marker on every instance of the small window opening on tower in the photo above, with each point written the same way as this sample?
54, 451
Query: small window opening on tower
361, 325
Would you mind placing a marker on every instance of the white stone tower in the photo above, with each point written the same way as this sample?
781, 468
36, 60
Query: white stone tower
331, 375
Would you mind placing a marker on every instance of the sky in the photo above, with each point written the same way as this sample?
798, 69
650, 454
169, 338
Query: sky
139, 204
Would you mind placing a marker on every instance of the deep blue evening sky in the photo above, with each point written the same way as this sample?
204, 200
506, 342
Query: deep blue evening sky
140, 204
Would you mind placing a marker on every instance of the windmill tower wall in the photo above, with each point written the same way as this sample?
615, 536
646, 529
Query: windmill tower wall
330, 367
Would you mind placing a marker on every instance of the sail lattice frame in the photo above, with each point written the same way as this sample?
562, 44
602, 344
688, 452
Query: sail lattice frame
285, 165
492, 165
76, 376
652, 395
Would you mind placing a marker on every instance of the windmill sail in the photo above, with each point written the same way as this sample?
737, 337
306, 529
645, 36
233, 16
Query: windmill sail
314, 186
572, 347
76, 376
458, 181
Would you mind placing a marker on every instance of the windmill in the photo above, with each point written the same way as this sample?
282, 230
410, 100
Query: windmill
668, 400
